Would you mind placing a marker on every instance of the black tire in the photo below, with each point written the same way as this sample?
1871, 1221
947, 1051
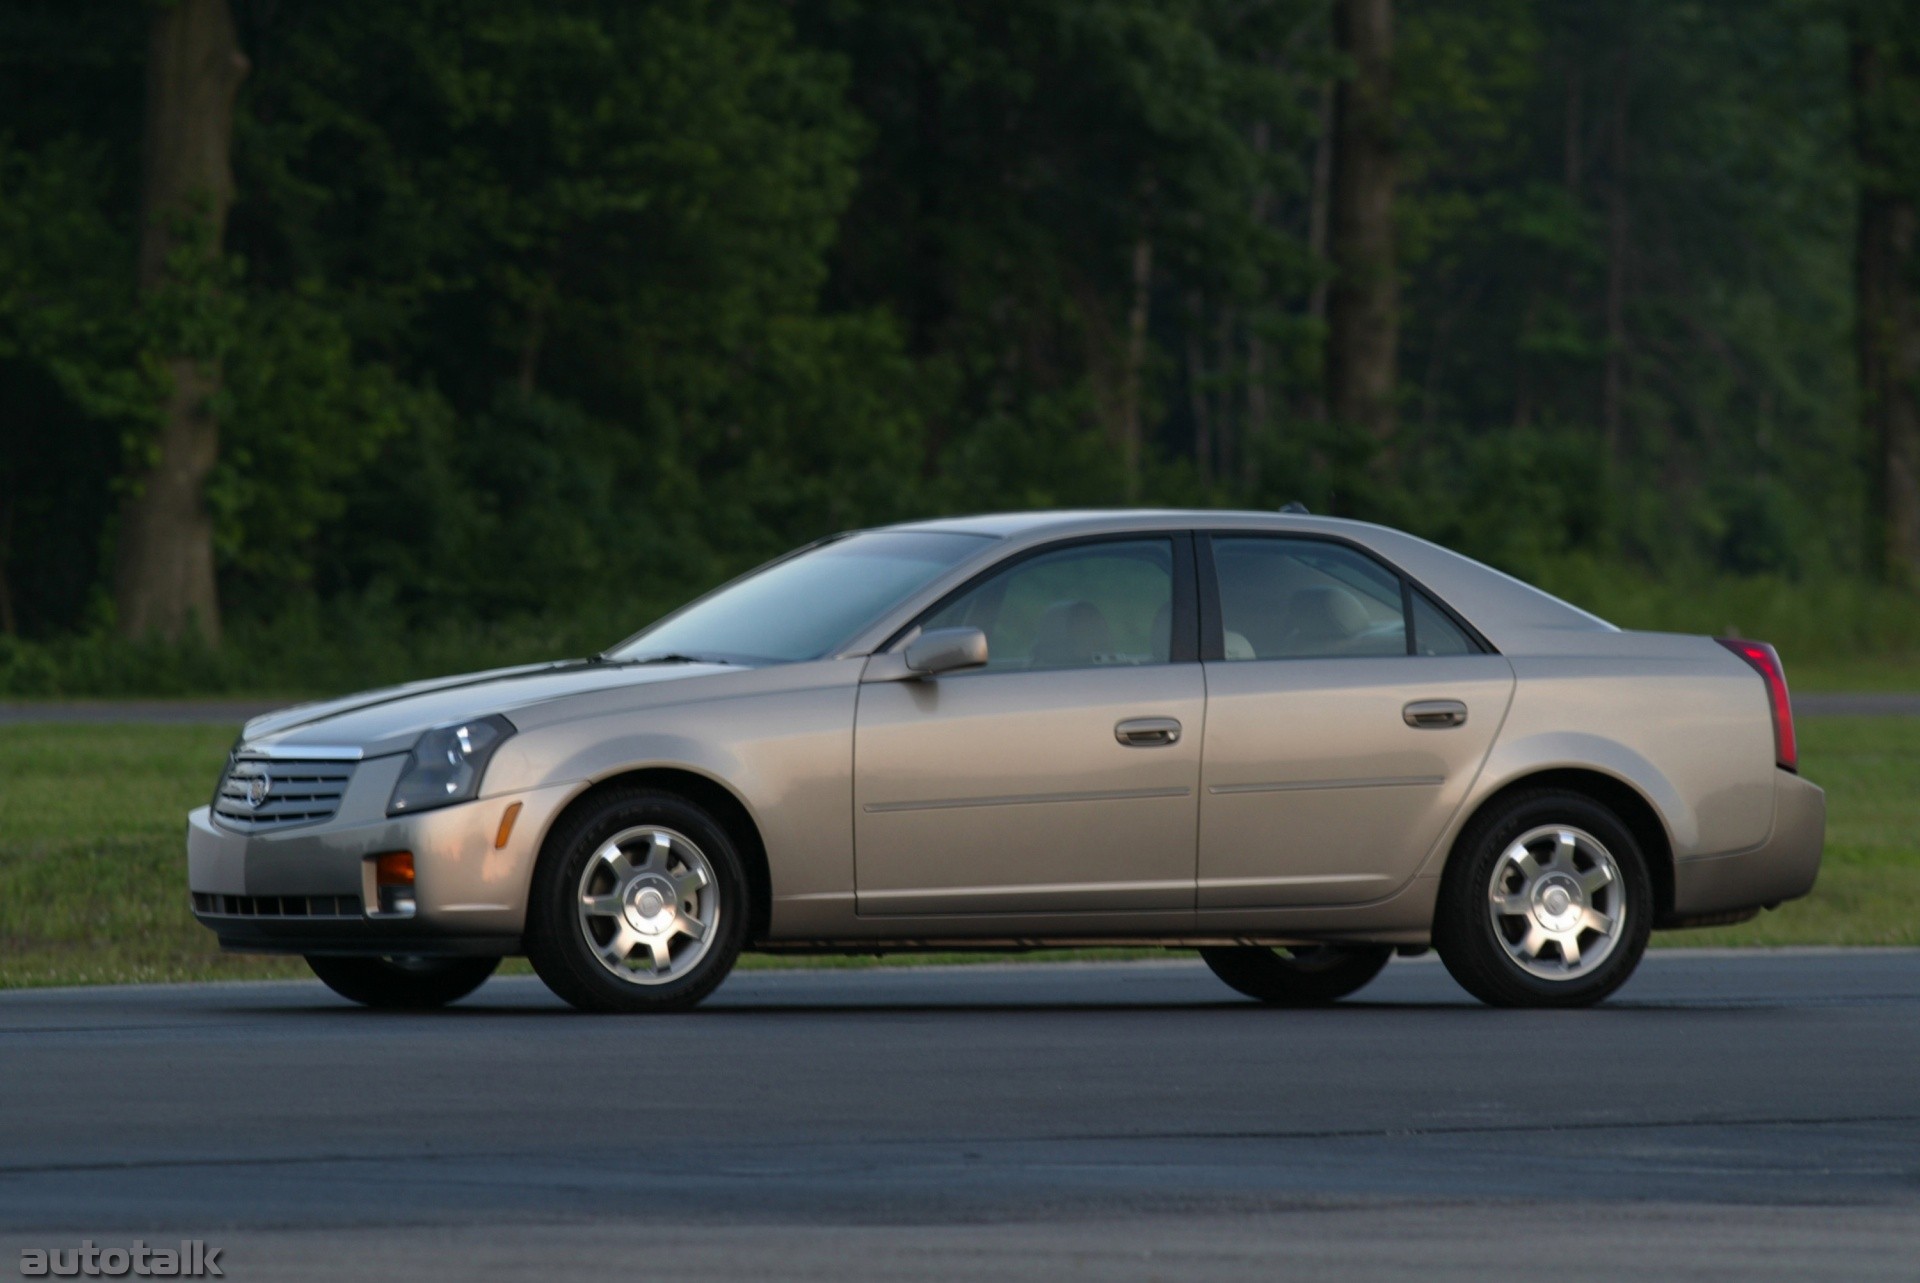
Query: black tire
1479, 951
403, 984
565, 951
1303, 977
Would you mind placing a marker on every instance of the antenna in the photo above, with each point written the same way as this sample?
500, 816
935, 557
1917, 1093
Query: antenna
1296, 508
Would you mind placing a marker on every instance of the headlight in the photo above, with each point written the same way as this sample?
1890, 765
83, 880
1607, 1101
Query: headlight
446, 765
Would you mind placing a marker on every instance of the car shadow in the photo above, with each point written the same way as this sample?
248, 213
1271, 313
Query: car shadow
484, 1010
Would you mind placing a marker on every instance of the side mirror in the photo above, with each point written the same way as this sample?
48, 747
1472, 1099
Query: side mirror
945, 649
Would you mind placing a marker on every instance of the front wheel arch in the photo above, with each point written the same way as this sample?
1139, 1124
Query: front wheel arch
1625, 801
705, 792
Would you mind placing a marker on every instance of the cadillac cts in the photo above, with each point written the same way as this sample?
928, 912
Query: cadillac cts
1296, 744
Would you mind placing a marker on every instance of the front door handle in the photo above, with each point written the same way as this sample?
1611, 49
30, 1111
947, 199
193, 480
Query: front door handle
1147, 732
1435, 714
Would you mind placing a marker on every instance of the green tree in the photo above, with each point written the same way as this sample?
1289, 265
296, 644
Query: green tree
525, 310
1885, 48
1627, 234
1075, 208
594, 238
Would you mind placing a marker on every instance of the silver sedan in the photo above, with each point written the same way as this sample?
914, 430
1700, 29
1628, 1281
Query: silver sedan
1297, 744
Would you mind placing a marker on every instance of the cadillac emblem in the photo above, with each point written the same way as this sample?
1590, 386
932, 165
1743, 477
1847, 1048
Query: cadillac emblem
258, 787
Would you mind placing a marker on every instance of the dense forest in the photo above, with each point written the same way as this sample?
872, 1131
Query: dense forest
417, 315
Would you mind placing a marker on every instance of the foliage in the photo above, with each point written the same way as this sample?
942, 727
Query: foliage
537, 317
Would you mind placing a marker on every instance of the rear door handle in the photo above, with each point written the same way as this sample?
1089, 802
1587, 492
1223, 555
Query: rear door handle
1147, 732
1435, 714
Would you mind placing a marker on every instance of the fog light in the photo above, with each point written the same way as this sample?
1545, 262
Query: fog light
393, 877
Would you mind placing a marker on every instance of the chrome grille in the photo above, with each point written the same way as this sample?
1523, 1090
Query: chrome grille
276, 906
258, 793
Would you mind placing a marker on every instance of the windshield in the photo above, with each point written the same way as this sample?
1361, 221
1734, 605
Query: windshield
805, 606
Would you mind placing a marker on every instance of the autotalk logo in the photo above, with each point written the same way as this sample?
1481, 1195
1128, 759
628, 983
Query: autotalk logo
193, 1259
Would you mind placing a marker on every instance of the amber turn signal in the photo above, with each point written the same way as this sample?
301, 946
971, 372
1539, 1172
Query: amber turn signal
394, 869
506, 827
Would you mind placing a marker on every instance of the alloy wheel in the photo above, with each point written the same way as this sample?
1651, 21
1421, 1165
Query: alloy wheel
1556, 902
649, 905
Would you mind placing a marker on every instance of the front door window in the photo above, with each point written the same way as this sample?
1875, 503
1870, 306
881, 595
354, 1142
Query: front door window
1096, 605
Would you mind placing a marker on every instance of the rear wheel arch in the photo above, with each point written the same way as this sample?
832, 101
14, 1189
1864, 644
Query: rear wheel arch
1623, 799
708, 794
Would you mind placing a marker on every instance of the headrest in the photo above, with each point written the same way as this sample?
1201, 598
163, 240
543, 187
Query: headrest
1325, 613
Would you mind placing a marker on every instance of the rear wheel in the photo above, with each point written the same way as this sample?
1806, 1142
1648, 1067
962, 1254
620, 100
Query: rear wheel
403, 984
1546, 903
1306, 976
639, 904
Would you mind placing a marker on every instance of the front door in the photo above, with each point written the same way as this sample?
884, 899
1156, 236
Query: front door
1347, 717
1063, 776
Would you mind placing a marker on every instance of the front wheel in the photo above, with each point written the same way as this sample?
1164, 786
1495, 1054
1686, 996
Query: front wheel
1297, 977
1546, 903
403, 984
639, 904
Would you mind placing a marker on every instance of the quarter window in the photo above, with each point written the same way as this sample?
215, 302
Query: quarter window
1434, 633
1091, 605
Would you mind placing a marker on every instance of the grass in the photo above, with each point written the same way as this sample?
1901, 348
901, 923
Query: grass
92, 856
1877, 673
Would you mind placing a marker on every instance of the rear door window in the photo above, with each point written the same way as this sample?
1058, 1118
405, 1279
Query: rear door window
1283, 598
1305, 599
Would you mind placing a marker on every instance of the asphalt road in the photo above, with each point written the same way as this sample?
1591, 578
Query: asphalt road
1728, 1116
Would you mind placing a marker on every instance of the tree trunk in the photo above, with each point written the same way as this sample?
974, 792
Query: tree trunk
1571, 151
8, 625
1197, 404
1619, 247
532, 340
163, 581
1319, 198
1134, 377
1254, 429
1886, 72
1363, 302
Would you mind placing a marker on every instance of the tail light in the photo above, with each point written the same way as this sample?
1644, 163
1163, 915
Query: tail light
1765, 661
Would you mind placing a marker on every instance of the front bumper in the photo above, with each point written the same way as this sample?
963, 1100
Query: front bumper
311, 890
1781, 868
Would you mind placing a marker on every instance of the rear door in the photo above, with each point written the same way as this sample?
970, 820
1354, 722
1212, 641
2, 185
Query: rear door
1063, 776
1347, 715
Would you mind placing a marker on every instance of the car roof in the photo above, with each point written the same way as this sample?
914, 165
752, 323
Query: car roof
1007, 525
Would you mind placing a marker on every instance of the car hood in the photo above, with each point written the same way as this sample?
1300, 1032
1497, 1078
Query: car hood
391, 719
